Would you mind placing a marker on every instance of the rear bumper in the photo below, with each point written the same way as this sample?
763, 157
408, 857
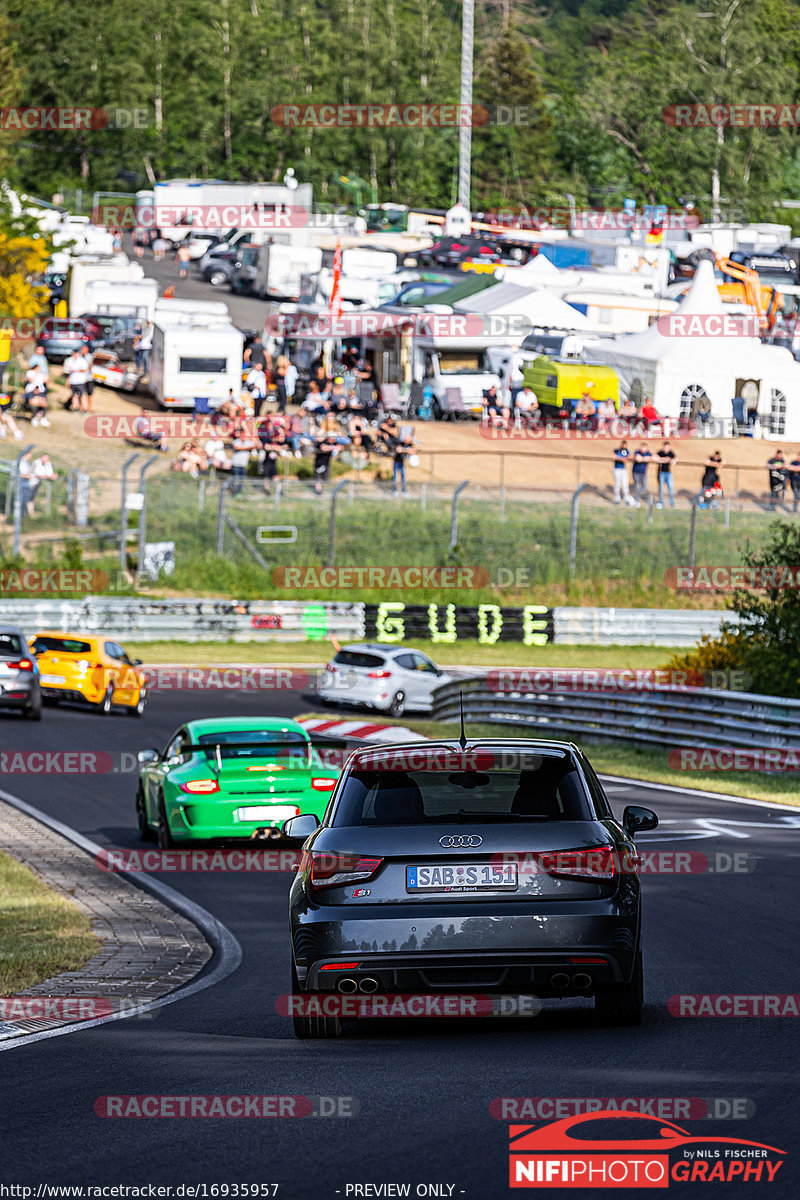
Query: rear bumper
487, 948
19, 695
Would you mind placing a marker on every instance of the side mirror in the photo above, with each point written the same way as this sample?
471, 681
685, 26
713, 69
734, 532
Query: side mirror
136, 662
637, 820
298, 828
146, 756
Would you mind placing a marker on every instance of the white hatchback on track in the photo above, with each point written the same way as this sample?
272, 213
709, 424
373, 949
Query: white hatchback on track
387, 678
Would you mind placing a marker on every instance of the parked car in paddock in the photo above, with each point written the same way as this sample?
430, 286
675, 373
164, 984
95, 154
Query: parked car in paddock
61, 336
388, 678
109, 371
19, 674
490, 865
90, 668
232, 778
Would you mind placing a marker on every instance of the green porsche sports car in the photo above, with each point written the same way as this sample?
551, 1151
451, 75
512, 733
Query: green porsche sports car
237, 777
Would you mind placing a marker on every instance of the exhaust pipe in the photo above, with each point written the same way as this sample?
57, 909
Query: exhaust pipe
368, 984
347, 985
559, 981
582, 980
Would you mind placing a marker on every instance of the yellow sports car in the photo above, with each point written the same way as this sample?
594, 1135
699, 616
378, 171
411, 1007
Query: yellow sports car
86, 667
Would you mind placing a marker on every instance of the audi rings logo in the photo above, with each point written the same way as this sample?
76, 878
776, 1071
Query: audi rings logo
459, 841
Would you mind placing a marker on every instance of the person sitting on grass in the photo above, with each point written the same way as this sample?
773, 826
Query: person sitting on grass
190, 460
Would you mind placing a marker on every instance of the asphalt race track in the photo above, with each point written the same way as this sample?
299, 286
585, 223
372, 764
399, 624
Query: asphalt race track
423, 1090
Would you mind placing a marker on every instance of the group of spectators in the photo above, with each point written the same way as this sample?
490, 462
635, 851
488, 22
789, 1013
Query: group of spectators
640, 458
523, 411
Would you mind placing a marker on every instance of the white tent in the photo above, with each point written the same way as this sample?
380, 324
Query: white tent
522, 309
674, 370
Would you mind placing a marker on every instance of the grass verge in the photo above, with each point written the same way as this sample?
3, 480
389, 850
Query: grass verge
612, 758
41, 932
463, 652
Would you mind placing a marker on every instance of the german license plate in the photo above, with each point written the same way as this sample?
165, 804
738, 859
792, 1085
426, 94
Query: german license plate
268, 812
462, 877
53, 680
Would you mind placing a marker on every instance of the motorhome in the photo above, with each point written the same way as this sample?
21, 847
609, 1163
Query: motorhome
80, 237
196, 360
177, 206
558, 386
136, 298
92, 268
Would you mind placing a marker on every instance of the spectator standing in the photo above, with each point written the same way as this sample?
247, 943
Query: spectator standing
641, 459
160, 247
666, 459
404, 448
25, 469
240, 459
75, 371
713, 464
794, 480
281, 368
256, 384
777, 468
88, 392
622, 489
290, 382
325, 447
183, 258
42, 471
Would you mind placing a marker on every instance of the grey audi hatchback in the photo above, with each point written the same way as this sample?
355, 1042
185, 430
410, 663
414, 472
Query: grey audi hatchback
490, 866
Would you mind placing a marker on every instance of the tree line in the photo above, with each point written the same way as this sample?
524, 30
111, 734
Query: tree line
193, 90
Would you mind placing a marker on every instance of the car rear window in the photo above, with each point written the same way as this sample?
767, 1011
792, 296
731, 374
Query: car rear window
64, 645
549, 788
256, 743
10, 644
358, 658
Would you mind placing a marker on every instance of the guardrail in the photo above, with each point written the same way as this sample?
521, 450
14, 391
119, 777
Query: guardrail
636, 626
141, 620
692, 718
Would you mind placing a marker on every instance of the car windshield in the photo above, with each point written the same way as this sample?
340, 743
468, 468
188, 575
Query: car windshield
257, 743
538, 787
10, 644
64, 645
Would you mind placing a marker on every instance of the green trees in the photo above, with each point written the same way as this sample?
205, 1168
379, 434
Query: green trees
593, 76
766, 643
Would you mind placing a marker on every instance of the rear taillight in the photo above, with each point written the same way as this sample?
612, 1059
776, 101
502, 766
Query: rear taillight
21, 664
379, 675
596, 862
200, 787
336, 870
323, 785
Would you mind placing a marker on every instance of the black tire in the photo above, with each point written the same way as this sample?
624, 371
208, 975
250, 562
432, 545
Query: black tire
398, 704
145, 832
137, 709
104, 706
306, 1027
621, 1003
33, 712
165, 838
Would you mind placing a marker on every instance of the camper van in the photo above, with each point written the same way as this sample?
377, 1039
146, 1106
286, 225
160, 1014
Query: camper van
134, 299
86, 270
559, 385
196, 361
275, 270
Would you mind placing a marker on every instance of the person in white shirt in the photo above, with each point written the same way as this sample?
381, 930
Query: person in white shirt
256, 384
41, 469
75, 371
214, 450
36, 395
290, 382
526, 406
